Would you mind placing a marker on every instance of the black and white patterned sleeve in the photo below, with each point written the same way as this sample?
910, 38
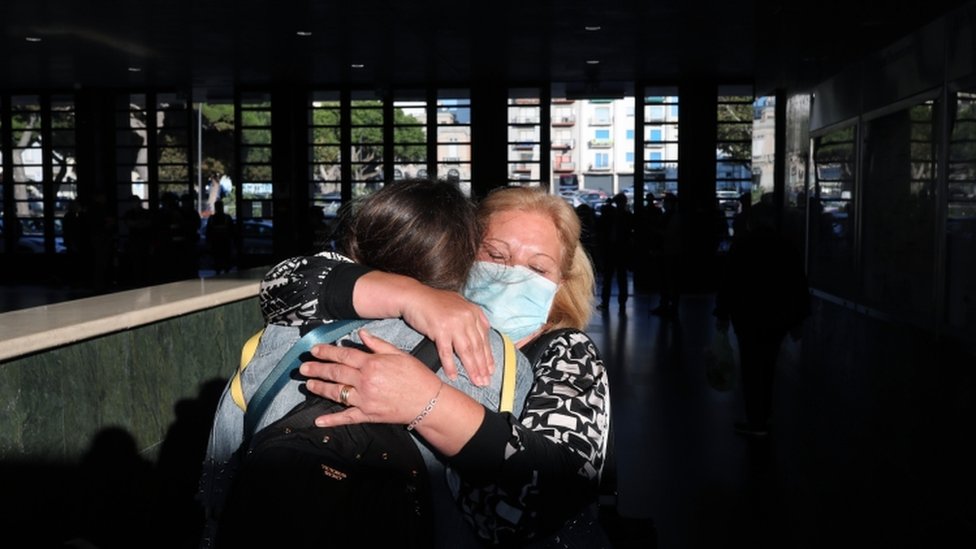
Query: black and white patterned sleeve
306, 290
525, 478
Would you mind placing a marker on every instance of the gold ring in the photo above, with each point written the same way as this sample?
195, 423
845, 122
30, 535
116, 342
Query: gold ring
344, 394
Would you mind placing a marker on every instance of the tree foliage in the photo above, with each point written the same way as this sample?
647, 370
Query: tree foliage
734, 133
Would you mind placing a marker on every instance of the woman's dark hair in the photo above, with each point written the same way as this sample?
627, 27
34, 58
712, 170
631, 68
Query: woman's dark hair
420, 228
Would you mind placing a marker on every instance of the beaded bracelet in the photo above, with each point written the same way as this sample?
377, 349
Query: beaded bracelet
426, 410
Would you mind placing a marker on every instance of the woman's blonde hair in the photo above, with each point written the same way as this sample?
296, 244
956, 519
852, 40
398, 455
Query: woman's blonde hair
573, 304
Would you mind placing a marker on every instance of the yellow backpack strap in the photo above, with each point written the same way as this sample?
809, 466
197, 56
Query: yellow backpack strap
508, 376
247, 352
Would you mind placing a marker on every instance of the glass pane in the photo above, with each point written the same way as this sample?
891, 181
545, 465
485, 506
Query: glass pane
961, 217
256, 174
797, 152
899, 209
256, 137
326, 172
832, 211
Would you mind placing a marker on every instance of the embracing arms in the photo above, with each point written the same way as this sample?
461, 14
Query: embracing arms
303, 291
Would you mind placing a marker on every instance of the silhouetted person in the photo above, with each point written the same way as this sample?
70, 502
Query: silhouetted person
672, 249
740, 222
588, 236
616, 227
168, 238
189, 237
72, 232
99, 228
137, 244
764, 294
720, 227
220, 238
647, 240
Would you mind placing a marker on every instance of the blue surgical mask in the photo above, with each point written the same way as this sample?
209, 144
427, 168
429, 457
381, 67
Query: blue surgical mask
515, 299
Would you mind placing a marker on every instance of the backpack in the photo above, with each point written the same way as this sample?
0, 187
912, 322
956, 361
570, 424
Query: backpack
298, 485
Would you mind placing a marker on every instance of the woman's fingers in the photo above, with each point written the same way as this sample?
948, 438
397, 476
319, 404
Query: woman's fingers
379, 345
349, 416
458, 327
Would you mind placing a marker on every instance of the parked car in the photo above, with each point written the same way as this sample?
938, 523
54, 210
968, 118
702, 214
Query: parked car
32, 236
595, 198
256, 236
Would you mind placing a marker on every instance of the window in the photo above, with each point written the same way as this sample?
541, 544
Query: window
257, 182
960, 237
900, 152
410, 131
601, 161
832, 210
325, 168
454, 130
661, 143
733, 156
630, 135
42, 179
601, 116
525, 137
602, 135
366, 118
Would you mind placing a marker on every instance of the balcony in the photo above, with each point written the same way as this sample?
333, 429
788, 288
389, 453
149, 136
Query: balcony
562, 121
600, 121
563, 144
524, 145
526, 101
562, 101
524, 121
564, 167
600, 167
521, 168
600, 143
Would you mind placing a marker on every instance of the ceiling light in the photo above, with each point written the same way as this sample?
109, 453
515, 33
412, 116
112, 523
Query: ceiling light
592, 61
592, 28
303, 33
134, 69
357, 65
33, 39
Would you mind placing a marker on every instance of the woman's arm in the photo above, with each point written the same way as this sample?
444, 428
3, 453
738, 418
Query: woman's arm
541, 469
306, 290
390, 386
552, 457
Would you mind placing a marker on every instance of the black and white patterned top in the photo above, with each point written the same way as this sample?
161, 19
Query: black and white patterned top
521, 478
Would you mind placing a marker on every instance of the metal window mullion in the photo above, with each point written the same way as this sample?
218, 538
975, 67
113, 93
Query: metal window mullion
152, 143
432, 132
6, 147
47, 173
345, 145
238, 165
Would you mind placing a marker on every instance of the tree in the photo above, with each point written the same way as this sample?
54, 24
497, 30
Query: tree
366, 153
734, 132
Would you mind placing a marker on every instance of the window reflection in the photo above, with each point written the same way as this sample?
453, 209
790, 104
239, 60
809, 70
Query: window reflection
832, 210
961, 215
900, 155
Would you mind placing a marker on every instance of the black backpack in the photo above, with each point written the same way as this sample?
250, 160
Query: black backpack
300, 485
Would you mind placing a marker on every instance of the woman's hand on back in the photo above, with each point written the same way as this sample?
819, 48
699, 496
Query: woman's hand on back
456, 325
388, 385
